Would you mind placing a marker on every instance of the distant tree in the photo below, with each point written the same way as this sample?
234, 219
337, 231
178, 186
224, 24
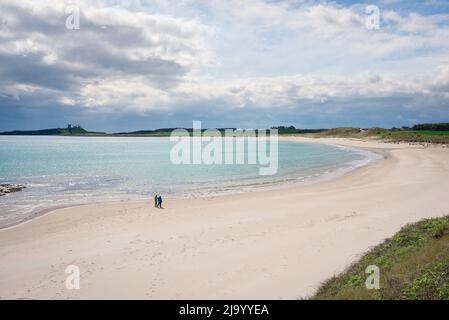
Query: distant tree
432, 126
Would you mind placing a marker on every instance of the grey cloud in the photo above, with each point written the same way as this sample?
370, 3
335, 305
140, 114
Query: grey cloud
31, 70
139, 70
36, 48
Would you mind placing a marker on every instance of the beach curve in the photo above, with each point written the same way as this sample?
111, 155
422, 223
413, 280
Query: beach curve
278, 244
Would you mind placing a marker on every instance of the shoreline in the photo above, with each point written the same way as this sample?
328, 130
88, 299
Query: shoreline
278, 244
250, 188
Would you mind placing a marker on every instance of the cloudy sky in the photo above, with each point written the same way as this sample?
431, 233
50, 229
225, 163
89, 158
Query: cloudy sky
241, 63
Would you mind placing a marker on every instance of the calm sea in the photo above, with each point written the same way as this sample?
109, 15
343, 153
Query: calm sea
71, 170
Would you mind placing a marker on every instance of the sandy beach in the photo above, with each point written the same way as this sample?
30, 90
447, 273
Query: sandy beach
278, 244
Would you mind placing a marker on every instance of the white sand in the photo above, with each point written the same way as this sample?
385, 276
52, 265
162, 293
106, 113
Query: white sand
275, 244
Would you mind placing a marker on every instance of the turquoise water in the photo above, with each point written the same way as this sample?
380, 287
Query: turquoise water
71, 170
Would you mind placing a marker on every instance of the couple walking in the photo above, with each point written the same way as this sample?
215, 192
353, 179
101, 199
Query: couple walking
158, 201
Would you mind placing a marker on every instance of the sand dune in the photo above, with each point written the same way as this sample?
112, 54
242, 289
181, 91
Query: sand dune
274, 244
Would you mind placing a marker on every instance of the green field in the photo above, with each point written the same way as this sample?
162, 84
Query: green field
413, 264
428, 132
425, 136
394, 135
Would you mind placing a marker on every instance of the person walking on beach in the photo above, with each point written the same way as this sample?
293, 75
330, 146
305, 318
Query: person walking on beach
159, 201
155, 201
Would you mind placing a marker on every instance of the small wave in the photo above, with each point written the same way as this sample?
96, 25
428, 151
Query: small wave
304, 164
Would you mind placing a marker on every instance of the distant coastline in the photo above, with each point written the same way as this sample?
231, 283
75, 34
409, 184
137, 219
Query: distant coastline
161, 132
419, 133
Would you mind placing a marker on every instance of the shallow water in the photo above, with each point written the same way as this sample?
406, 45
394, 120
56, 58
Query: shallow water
72, 170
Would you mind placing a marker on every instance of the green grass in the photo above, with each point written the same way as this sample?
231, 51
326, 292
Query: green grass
432, 133
417, 136
340, 132
414, 264
411, 136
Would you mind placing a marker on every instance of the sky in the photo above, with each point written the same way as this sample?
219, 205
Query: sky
138, 64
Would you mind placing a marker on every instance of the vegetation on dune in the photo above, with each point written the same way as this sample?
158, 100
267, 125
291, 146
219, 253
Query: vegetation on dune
432, 126
349, 132
340, 132
417, 136
420, 133
413, 264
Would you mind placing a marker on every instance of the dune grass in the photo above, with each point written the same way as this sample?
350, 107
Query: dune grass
414, 265
417, 136
432, 133
411, 136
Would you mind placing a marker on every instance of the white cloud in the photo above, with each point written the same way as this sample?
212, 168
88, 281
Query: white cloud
111, 41
229, 55
272, 92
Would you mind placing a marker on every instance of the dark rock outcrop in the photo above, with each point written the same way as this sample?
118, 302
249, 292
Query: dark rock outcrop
8, 188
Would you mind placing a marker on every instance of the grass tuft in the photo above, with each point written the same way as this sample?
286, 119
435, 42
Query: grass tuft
414, 264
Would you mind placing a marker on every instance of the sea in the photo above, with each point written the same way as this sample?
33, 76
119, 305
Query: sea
62, 171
